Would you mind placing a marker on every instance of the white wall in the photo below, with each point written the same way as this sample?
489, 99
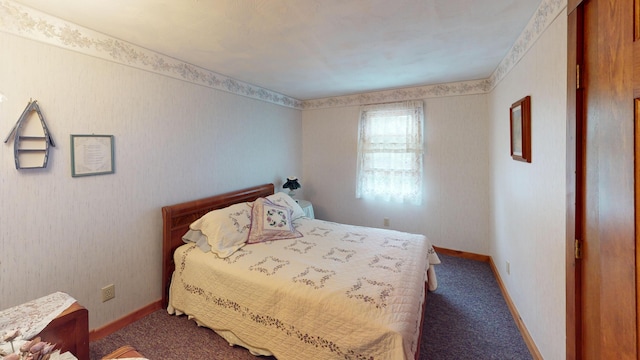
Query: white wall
455, 210
177, 141
477, 199
174, 141
528, 201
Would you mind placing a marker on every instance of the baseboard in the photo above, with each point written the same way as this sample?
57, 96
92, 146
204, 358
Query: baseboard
462, 254
516, 316
97, 334
535, 353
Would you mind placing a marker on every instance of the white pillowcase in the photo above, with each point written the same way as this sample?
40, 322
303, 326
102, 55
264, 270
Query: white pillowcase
285, 200
195, 236
226, 229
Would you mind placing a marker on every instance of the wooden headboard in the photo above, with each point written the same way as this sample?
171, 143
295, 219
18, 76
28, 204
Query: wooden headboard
177, 218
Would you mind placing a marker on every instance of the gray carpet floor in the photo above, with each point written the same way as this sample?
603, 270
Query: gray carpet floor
466, 318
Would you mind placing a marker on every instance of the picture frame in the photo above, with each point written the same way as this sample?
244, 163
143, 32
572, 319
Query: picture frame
520, 129
92, 155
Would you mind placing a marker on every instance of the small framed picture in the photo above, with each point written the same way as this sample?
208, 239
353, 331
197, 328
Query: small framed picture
91, 155
520, 125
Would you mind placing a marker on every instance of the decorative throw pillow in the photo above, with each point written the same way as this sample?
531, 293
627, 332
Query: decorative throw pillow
270, 221
226, 229
285, 200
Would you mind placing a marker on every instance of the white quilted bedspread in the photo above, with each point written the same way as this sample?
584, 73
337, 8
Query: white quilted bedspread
338, 292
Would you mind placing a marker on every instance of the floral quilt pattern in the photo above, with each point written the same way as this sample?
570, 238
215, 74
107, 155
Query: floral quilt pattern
299, 298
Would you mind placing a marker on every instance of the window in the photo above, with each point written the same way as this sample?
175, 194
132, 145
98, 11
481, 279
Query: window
390, 149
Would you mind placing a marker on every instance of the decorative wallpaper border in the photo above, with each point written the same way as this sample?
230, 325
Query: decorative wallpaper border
543, 17
403, 94
26, 22
546, 13
29, 23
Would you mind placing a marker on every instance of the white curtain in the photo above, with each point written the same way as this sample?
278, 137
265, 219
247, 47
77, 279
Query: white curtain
390, 151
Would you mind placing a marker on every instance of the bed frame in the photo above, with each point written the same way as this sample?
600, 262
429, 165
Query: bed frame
176, 220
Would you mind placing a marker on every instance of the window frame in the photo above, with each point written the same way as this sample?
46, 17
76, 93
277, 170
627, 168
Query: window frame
391, 182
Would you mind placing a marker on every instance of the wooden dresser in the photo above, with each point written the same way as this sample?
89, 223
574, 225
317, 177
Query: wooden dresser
70, 331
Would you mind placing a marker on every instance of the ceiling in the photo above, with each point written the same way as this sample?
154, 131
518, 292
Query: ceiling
310, 49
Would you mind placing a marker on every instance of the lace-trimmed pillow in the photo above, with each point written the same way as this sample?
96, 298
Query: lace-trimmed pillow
285, 200
270, 221
226, 229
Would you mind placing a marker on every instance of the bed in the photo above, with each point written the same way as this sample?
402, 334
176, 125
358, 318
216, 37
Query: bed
293, 291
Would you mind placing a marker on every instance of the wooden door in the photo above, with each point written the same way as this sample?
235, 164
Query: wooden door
636, 95
601, 306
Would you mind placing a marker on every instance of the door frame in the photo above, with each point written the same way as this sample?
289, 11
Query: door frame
574, 186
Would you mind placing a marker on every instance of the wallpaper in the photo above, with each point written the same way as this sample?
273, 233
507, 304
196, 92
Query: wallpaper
528, 200
26, 22
546, 13
174, 141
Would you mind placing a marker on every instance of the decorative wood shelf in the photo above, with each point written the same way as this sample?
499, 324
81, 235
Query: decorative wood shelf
30, 151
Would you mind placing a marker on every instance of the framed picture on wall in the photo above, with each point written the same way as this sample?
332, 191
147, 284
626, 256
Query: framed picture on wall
91, 155
520, 125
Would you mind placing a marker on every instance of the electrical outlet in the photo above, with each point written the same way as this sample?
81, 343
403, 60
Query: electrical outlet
108, 292
386, 222
508, 268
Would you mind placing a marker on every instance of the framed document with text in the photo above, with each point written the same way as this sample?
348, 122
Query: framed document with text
91, 155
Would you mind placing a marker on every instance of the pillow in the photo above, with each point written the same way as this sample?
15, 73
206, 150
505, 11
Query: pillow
226, 229
196, 236
270, 221
285, 200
